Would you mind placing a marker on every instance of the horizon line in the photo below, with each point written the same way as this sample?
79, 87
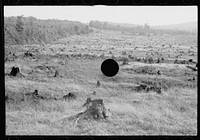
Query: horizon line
105, 21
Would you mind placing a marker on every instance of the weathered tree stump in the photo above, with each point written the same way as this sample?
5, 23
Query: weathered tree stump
70, 95
28, 54
158, 60
95, 109
56, 73
34, 96
98, 83
158, 72
14, 71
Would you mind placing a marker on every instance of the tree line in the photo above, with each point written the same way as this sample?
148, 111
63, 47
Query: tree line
29, 30
132, 29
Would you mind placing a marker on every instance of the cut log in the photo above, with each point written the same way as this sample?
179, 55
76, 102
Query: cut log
192, 68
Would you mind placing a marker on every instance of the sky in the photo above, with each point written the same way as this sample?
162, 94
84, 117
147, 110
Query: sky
153, 15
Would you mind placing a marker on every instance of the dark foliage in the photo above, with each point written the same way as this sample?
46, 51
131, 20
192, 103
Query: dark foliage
29, 30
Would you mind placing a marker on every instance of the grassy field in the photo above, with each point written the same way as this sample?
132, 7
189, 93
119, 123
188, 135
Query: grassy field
78, 60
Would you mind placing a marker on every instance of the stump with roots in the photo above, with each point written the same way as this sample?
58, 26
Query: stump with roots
96, 111
15, 72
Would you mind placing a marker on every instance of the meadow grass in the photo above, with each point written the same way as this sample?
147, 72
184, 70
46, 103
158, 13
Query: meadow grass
174, 112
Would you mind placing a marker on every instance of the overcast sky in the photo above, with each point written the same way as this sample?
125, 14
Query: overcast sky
153, 15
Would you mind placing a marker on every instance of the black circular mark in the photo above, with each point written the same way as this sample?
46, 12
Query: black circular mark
88, 1
109, 67
137, 1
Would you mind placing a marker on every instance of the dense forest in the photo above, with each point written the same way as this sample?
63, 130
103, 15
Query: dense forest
132, 29
29, 30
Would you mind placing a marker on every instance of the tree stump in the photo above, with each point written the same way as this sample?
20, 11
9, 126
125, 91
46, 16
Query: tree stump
56, 73
98, 83
95, 110
28, 54
158, 72
14, 71
158, 61
70, 96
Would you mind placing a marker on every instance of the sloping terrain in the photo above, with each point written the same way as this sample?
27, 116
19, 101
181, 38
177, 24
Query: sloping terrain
189, 26
78, 60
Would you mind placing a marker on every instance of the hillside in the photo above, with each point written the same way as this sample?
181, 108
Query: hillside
30, 30
78, 58
189, 26
137, 29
